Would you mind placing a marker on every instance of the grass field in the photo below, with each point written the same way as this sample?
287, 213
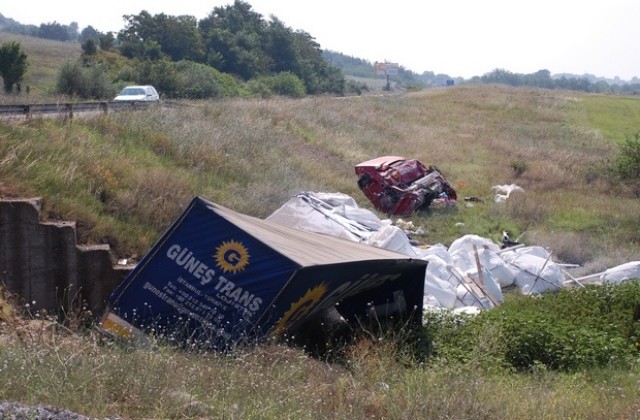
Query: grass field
44, 58
253, 155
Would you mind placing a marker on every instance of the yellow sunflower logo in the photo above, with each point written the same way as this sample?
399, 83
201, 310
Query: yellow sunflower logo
300, 308
232, 257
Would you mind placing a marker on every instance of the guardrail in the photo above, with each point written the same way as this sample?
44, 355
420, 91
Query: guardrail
68, 109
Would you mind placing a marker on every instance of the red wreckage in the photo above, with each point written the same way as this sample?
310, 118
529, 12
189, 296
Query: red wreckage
399, 186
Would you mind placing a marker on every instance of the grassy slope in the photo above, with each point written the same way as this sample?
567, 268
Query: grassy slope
125, 177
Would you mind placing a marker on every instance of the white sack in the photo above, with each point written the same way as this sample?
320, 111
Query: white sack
466, 243
490, 286
345, 206
500, 270
467, 298
535, 274
464, 261
317, 212
537, 251
439, 281
392, 238
438, 250
467, 310
430, 302
618, 274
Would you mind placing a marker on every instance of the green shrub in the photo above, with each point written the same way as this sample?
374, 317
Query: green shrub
259, 88
88, 82
71, 80
286, 84
519, 167
199, 81
13, 65
627, 162
97, 84
572, 329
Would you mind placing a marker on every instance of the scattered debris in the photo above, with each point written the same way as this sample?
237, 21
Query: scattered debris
507, 242
399, 186
473, 199
504, 191
219, 279
467, 276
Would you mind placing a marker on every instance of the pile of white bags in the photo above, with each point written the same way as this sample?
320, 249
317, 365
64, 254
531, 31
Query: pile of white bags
468, 275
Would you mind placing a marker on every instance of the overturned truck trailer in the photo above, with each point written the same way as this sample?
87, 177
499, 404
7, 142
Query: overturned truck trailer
399, 186
217, 279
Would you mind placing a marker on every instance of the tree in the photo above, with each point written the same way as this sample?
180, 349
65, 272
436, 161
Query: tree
54, 31
107, 41
13, 65
317, 74
178, 37
71, 80
89, 33
89, 47
89, 81
72, 31
234, 37
280, 44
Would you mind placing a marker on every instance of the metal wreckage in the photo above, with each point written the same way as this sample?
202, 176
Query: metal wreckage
399, 186
218, 279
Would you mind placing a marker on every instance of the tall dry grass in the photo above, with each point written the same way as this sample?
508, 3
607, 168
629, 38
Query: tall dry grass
128, 175
102, 380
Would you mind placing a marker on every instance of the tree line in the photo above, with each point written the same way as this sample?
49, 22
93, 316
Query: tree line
51, 30
233, 51
543, 79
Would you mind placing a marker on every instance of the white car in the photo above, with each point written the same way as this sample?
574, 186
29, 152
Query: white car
138, 93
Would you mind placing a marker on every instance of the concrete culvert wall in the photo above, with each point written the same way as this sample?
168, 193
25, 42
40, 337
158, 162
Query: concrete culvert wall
42, 263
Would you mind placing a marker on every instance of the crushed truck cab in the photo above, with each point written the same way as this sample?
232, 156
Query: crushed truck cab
399, 186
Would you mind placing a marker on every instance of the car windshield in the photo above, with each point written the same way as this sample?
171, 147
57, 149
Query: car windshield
132, 91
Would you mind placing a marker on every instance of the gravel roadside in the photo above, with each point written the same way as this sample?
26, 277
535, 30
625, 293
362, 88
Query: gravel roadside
17, 411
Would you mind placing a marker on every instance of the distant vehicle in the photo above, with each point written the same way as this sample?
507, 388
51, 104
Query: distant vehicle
138, 93
400, 186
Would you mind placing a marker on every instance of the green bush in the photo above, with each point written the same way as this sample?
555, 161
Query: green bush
87, 82
627, 162
572, 329
519, 167
98, 85
13, 65
259, 88
199, 81
71, 80
285, 83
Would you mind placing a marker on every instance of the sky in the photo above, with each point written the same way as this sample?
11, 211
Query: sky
460, 38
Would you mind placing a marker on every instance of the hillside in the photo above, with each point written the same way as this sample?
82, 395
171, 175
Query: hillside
44, 58
125, 177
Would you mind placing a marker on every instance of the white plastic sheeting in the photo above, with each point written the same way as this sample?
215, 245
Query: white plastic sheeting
467, 276
335, 214
626, 271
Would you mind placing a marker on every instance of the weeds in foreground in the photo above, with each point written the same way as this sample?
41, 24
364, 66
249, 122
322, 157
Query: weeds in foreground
45, 363
102, 380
